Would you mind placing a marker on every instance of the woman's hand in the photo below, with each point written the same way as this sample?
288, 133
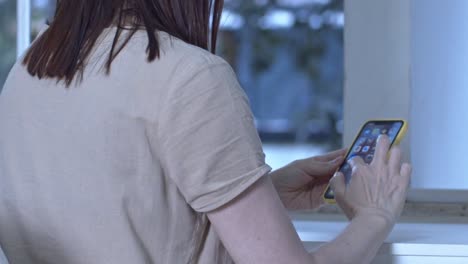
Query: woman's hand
376, 189
302, 183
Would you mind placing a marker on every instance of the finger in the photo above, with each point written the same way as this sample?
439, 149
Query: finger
403, 182
326, 170
394, 162
338, 185
405, 173
356, 161
321, 169
332, 155
383, 145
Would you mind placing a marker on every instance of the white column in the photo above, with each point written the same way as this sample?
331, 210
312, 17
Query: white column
23, 38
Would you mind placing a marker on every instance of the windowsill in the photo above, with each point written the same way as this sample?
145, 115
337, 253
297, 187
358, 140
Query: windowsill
413, 239
439, 196
426, 211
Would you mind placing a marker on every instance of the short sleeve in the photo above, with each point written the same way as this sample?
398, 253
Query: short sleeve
208, 142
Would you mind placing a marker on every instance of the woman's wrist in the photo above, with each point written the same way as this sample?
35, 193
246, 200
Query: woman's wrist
376, 217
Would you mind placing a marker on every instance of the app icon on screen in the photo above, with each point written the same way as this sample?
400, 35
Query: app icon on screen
360, 141
357, 149
367, 132
375, 132
384, 131
365, 149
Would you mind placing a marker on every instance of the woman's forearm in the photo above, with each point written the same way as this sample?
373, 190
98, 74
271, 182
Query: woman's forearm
359, 242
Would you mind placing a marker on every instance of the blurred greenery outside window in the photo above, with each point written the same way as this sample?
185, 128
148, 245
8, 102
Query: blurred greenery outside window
289, 57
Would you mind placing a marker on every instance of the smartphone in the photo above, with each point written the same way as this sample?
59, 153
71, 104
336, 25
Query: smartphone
365, 143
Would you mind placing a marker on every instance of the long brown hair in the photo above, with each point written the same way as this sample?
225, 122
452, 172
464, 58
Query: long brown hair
61, 51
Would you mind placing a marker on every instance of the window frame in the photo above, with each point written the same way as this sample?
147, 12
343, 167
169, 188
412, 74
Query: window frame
23, 34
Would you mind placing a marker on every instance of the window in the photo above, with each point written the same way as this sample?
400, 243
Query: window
41, 11
8, 27
15, 34
289, 58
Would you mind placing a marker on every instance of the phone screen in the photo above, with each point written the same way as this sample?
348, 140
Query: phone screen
365, 144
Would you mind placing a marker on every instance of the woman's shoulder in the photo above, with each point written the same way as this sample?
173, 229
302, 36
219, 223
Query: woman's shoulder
188, 56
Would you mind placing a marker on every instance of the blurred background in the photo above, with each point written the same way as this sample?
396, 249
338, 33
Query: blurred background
288, 55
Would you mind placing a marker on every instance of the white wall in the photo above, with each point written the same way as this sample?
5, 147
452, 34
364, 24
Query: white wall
439, 105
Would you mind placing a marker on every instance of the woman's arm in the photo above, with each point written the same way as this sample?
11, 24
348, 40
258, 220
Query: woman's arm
255, 227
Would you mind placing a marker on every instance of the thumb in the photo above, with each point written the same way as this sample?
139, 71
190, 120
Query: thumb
320, 168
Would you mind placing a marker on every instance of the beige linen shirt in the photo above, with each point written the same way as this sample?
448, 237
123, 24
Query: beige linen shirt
121, 168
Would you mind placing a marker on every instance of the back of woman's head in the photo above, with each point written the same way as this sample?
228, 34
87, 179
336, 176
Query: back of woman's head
61, 51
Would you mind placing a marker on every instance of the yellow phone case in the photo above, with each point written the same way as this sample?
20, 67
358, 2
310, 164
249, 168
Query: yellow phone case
397, 141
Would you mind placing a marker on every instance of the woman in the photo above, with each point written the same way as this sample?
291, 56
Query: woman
124, 140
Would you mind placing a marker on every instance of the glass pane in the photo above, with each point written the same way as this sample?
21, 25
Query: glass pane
42, 10
7, 37
289, 57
